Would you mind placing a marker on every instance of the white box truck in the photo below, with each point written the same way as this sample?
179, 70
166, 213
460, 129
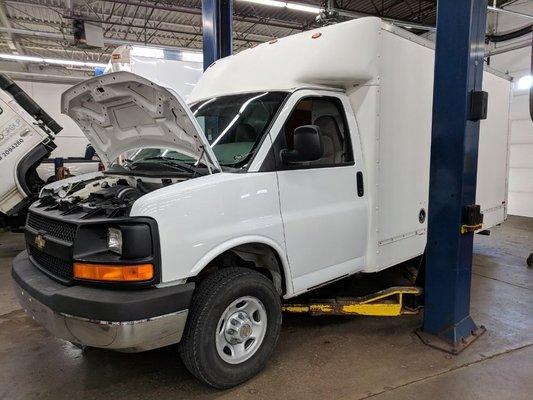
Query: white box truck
296, 163
26, 137
177, 69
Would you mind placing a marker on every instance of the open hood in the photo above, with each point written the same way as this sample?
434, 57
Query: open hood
122, 111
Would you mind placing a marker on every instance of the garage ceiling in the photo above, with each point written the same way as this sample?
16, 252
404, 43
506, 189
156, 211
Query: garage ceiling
44, 27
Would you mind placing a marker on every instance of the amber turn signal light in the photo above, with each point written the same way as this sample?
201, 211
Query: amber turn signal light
113, 272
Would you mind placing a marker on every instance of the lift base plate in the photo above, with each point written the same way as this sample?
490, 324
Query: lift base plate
452, 348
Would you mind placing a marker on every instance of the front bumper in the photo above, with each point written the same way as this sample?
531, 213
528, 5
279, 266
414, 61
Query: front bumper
130, 321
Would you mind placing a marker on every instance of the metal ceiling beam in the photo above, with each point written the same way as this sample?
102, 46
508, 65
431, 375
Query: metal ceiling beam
4, 20
60, 36
34, 77
107, 40
505, 49
402, 23
511, 12
198, 11
258, 38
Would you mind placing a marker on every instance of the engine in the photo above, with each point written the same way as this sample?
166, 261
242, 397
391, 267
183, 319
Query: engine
110, 196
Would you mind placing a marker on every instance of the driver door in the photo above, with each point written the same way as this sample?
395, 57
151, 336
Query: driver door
324, 215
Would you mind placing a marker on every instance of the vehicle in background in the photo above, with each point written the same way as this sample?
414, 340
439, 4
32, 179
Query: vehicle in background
284, 173
26, 138
52, 169
176, 69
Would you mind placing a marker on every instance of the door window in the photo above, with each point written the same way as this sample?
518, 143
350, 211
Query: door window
328, 115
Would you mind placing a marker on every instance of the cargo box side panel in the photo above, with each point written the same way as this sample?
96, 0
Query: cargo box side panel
365, 104
493, 159
406, 83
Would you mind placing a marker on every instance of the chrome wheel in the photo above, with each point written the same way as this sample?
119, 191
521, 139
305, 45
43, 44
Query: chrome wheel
241, 330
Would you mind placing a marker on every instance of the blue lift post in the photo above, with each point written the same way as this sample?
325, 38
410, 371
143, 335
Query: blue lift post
217, 29
457, 101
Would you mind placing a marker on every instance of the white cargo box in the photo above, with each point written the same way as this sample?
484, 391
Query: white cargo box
394, 114
388, 78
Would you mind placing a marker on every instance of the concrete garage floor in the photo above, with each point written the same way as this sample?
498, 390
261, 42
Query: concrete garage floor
316, 357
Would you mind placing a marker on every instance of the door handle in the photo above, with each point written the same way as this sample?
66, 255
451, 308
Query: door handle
360, 184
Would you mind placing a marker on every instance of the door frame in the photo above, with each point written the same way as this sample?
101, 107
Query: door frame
351, 126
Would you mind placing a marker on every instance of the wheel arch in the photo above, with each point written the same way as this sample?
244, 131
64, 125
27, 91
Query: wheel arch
265, 253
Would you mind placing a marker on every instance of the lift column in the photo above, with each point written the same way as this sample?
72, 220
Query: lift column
217, 29
458, 105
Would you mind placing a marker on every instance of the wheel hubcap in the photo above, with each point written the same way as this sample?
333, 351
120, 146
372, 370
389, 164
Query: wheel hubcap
241, 330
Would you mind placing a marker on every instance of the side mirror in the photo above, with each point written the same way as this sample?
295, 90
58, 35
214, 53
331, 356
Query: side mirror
307, 146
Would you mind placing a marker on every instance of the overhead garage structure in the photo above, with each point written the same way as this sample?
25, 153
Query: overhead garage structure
40, 25
272, 198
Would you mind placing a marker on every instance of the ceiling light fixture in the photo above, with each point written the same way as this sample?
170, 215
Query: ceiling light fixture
286, 4
273, 3
73, 63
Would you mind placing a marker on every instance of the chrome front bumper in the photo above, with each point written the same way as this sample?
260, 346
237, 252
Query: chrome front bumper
125, 336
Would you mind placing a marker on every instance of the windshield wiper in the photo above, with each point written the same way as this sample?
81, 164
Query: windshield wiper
172, 162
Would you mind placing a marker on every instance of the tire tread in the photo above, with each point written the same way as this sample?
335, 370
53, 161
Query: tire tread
206, 293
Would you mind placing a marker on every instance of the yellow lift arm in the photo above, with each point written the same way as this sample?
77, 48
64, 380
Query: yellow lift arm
385, 303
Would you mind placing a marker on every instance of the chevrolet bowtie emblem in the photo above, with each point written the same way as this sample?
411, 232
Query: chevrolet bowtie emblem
40, 242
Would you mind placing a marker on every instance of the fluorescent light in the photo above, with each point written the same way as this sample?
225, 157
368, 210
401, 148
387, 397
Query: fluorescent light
286, 4
74, 63
303, 7
18, 57
525, 82
272, 3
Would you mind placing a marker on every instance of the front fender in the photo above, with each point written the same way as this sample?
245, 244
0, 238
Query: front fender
200, 218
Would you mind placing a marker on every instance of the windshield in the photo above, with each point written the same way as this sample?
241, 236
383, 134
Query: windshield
233, 125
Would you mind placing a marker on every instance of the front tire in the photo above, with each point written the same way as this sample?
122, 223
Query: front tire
232, 328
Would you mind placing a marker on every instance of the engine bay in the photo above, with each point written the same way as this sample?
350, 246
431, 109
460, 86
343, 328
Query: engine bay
104, 196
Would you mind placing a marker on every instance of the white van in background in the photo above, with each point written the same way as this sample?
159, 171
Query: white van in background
175, 69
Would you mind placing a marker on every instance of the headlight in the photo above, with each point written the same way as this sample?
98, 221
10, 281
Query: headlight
114, 240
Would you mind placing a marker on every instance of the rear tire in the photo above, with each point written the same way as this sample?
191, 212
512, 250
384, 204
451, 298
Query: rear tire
233, 325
